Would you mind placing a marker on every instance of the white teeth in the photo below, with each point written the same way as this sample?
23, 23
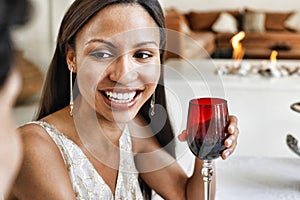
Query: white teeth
120, 97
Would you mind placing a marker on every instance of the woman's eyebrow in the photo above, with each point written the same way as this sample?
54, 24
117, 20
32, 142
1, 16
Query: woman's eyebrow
146, 43
113, 46
101, 41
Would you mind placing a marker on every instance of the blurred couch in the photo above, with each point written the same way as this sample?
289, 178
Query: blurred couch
212, 31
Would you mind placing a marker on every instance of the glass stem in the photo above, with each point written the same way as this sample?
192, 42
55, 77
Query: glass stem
207, 173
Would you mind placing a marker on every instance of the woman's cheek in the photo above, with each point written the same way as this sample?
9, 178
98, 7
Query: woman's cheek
88, 78
150, 73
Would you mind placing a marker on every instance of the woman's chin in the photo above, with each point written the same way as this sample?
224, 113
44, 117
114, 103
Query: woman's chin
123, 116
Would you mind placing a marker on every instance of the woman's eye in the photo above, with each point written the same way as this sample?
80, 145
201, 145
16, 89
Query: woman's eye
143, 55
101, 55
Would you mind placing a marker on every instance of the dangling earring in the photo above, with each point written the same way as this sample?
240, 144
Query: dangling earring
152, 103
71, 92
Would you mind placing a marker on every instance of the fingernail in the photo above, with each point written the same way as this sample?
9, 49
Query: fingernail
228, 142
231, 129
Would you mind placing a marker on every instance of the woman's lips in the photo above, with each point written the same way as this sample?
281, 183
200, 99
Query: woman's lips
121, 99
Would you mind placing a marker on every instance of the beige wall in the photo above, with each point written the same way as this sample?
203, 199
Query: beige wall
37, 38
33, 38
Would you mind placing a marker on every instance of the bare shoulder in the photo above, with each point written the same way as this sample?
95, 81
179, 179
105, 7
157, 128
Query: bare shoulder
35, 132
39, 148
31, 128
41, 158
35, 136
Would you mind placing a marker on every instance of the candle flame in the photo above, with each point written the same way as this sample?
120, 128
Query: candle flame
238, 50
273, 56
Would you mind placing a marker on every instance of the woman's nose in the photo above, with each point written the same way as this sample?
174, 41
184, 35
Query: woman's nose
123, 70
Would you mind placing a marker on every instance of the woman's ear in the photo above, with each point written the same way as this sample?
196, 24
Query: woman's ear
71, 58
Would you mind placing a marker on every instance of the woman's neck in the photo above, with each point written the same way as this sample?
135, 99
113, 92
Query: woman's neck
93, 127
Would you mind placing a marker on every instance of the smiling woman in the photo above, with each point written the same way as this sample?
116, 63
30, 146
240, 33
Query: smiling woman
118, 141
122, 62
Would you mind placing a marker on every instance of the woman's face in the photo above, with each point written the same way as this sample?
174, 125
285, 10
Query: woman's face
117, 61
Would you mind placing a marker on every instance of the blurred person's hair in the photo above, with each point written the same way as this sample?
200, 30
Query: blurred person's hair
12, 14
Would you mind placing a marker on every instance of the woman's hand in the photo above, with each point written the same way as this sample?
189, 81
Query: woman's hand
231, 140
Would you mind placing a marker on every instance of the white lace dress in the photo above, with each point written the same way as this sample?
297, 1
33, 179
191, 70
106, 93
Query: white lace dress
87, 183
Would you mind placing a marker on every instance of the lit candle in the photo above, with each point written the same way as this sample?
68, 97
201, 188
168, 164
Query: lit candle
272, 65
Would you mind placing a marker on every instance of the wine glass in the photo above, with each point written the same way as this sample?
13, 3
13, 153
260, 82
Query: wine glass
206, 132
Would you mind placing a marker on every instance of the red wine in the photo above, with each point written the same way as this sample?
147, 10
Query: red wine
206, 140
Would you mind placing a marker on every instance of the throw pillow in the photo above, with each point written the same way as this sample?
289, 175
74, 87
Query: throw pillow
275, 20
202, 20
226, 23
177, 21
254, 22
293, 22
184, 26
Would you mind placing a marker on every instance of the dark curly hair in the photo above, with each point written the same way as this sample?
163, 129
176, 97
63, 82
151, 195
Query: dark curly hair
12, 14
